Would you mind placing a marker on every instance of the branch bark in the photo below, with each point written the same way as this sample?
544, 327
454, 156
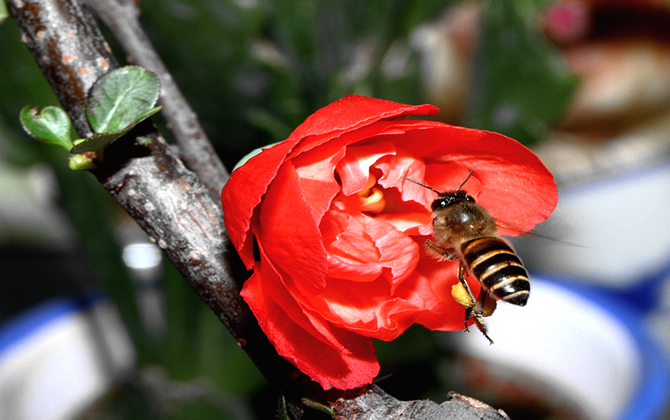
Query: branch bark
174, 207
375, 404
150, 182
122, 18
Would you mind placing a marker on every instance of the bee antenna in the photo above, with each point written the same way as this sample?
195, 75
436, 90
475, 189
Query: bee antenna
466, 180
423, 185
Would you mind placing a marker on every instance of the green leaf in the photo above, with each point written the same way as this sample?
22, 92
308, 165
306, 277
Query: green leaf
4, 13
51, 126
121, 98
98, 142
521, 86
146, 114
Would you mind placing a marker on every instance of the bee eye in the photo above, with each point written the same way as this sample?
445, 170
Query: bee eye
439, 203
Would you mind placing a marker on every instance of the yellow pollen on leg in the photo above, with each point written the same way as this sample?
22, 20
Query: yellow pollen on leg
461, 295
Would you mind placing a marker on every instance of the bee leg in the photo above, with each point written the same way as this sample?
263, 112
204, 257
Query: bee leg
470, 302
486, 304
443, 252
460, 294
479, 321
477, 308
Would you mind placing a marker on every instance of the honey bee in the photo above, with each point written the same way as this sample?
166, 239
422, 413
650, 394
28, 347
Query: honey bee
465, 231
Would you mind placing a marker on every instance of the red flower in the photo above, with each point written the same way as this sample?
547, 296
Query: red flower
340, 232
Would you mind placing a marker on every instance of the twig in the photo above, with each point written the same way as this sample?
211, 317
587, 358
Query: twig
121, 17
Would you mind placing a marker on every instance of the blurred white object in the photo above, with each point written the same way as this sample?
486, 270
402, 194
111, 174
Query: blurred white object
618, 230
446, 47
582, 345
28, 210
57, 359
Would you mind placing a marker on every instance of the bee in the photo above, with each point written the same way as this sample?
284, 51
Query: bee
465, 231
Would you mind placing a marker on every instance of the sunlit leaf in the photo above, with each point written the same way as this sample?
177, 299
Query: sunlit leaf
52, 125
121, 98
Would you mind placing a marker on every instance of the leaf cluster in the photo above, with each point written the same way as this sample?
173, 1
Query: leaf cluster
117, 102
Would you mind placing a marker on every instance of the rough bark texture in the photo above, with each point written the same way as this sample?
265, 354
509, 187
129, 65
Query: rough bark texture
69, 49
179, 212
375, 404
121, 17
150, 182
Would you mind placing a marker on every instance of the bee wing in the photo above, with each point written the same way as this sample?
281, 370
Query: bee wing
510, 230
515, 231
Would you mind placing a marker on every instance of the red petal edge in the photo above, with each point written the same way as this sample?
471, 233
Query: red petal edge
247, 184
321, 362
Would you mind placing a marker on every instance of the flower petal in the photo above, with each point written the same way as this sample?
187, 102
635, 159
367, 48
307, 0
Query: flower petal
363, 307
243, 193
431, 284
247, 184
349, 114
325, 364
288, 231
516, 187
354, 168
277, 284
362, 248
316, 172
424, 297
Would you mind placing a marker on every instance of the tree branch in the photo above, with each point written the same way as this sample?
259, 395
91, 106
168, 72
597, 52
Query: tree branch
375, 404
172, 205
69, 49
122, 18
150, 182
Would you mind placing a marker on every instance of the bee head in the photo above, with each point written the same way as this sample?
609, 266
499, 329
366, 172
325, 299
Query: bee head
450, 198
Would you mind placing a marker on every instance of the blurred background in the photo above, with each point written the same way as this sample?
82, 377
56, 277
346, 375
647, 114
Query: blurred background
95, 324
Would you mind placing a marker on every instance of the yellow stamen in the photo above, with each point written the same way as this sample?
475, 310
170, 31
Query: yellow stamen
371, 199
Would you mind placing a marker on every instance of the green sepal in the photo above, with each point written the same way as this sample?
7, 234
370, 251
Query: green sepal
52, 125
318, 406
120, 98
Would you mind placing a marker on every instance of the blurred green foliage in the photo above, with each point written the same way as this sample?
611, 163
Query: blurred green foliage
253, 70
519, 87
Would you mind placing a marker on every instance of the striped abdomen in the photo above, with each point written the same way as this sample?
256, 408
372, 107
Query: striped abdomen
497, 268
